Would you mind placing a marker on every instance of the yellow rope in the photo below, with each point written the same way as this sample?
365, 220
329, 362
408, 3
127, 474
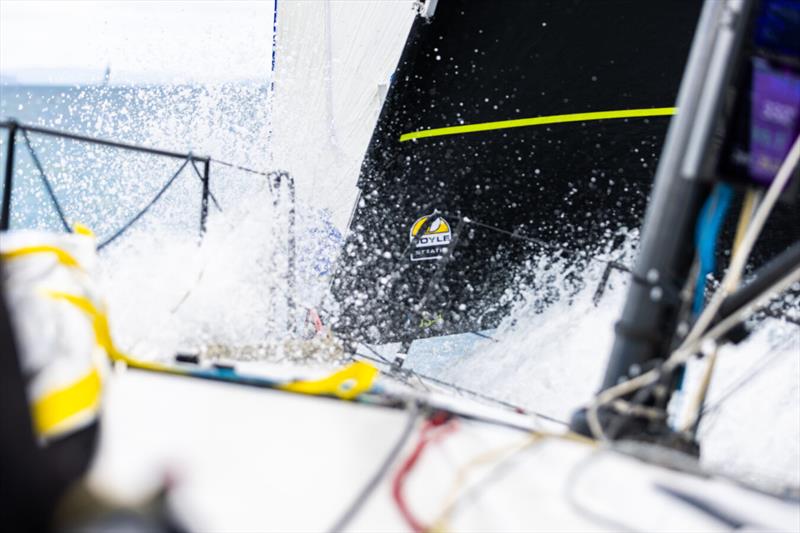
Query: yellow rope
345, 384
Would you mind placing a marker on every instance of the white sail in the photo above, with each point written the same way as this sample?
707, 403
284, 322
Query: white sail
333, 62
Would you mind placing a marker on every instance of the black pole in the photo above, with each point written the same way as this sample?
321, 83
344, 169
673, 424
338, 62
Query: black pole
103, 142
648, 321
646, 331
765, 277
5, 218
204, 201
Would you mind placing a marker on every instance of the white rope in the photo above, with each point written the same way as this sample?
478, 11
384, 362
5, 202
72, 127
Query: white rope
683, 354
698, 335
739, 260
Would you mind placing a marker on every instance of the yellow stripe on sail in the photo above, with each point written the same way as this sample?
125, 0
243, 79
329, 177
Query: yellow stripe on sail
540, 121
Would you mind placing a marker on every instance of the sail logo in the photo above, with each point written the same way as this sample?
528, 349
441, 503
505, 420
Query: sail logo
430, 245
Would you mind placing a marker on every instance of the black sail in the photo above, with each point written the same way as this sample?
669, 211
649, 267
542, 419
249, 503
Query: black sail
563, 174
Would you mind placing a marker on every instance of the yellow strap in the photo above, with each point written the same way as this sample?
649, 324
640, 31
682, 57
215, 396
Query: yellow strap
63, 256
346, 383
101, 330
80, 229
540, 121
54, 409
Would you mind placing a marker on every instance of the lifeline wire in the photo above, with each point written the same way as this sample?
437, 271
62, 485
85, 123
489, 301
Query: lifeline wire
483, 336
24, 129
146, 208
364, 494
373, 359
239, 167
504, 403
461, 390
47, 185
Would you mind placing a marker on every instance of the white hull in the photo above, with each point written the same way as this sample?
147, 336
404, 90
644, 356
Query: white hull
250, 459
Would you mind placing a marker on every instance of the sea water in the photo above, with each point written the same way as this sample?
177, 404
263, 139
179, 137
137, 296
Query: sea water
168, 290
166, 293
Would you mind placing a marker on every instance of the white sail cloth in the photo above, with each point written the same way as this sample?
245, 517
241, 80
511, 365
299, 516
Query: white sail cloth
49, 286
333, 62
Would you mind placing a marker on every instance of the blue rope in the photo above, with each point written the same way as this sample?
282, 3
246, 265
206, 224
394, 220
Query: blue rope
712, 215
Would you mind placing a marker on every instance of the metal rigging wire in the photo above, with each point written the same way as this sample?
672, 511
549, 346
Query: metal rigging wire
47, 185
379, 474
125, 227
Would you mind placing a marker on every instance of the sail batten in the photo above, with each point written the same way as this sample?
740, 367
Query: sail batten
539, 121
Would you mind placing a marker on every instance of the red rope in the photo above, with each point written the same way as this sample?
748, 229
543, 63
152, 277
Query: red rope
434, 429
313, 318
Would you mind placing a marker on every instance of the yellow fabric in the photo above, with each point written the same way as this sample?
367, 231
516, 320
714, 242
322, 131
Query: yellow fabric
101, 329
540, 121
80, 229
52, 410
65, 258
346, 383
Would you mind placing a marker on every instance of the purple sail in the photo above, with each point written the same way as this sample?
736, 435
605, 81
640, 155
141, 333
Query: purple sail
775, 119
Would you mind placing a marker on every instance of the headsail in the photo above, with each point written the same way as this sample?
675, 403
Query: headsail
537, 118
332, 61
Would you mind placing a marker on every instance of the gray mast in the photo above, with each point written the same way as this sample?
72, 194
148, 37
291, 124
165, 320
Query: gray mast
646, 331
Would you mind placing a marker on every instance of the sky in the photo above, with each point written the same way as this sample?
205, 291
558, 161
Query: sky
144, 41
